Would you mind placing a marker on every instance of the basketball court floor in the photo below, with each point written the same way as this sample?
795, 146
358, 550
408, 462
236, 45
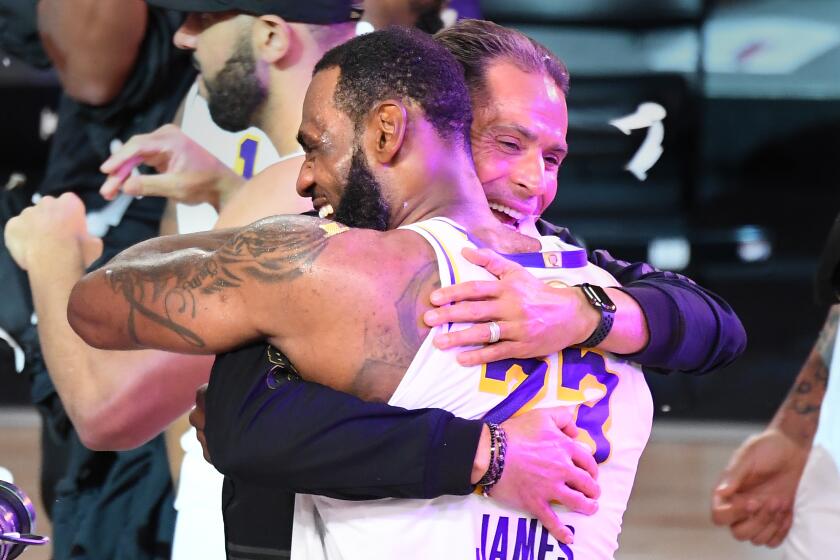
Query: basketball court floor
667, 518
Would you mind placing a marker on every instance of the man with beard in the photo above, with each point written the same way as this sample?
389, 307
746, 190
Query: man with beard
427, 453
417, 453
214, 291
122, 410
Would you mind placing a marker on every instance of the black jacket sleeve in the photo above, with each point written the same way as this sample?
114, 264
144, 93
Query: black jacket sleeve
276, 430
692, 330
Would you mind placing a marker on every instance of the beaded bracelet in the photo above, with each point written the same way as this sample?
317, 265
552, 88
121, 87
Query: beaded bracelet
498, 447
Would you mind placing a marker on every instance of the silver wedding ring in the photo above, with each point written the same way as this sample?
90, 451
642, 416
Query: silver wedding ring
495, 332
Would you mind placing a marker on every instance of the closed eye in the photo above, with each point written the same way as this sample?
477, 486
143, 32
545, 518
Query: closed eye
509, 143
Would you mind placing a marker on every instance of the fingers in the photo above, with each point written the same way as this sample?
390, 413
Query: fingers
782, 530
752, 528
551, 522
464, 312
576, 501
733, 476
143, 146
201, 397
494, 263
197, 418
564, 419
474, 290
111, 187
580, 481
582, 457
727, 511
202, 439
126, 153
767, 532
167, 185
493, 353
70, 198
197, 421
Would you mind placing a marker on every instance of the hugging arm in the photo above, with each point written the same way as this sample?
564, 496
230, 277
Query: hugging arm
692, 330
664, 321
202, 293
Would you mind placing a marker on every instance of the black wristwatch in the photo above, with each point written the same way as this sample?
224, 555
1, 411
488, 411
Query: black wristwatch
598, 299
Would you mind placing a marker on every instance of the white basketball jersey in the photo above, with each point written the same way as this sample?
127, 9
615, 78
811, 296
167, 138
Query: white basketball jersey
247, 153
199, 528
613, 409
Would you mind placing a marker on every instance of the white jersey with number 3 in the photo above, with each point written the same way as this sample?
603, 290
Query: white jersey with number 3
199, 528
613, 410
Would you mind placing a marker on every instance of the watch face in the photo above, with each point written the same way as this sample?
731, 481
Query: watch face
598, 297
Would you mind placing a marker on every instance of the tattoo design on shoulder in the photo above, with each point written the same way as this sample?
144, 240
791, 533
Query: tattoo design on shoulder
167, 290
409, 305
388, 355
275, 249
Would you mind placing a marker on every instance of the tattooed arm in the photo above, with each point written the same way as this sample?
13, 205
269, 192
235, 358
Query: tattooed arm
196, 293
756, 492
335, 304
800, 412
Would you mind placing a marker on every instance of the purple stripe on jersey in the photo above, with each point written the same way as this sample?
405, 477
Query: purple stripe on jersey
454, 226
575, 258
535, 369
446, 255
448, 263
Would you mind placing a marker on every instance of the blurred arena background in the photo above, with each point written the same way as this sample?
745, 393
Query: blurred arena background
740, 200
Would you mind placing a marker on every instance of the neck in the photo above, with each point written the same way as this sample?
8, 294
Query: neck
280, 116
448, 186
452, 190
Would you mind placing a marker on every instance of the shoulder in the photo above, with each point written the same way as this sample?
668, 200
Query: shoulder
287, 235
278, 245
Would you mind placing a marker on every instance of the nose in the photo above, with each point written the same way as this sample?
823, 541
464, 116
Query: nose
306, 180
186, 37
529, 173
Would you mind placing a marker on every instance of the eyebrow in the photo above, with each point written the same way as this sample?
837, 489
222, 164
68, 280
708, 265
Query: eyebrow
528, 134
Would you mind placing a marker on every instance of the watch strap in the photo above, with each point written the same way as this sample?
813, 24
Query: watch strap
604, 325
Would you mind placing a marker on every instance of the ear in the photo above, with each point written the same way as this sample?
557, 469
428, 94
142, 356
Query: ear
272, 38
389, 121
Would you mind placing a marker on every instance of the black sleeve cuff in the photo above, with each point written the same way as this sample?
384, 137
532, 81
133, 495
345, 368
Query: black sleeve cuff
449, 468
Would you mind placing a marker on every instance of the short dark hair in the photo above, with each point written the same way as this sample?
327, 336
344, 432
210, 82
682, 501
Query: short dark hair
477, 43
401, 63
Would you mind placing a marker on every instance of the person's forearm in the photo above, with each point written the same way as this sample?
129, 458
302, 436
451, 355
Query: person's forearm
106, 305
308, 438
629, 333
691, 329
93, 44
799, 413
116, 400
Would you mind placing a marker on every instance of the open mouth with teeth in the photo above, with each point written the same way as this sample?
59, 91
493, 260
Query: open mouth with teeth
508, 216
326, 211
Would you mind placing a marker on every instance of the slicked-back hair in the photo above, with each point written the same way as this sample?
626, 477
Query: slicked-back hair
405, 64
477, 44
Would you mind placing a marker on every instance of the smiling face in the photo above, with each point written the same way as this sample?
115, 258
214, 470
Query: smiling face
335, 173
518, 139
